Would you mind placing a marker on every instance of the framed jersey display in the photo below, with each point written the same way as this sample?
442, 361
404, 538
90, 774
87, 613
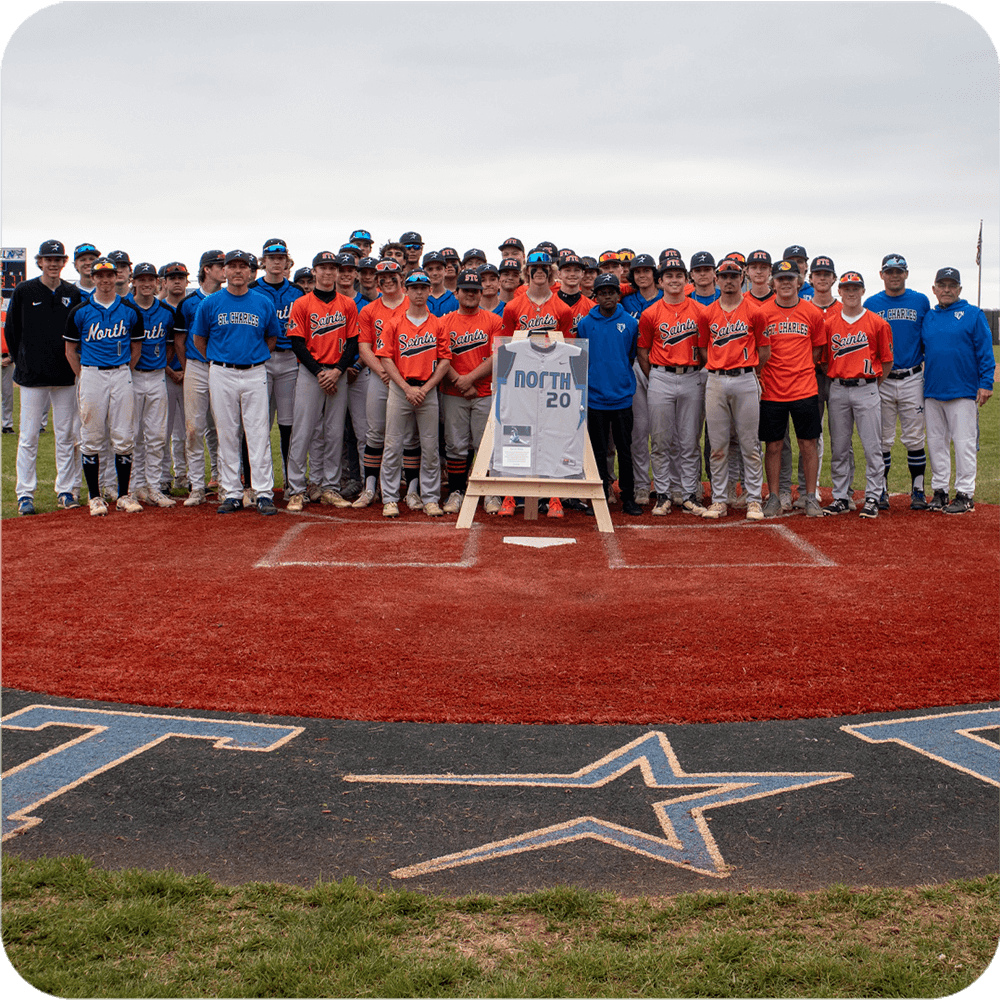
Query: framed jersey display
539, 408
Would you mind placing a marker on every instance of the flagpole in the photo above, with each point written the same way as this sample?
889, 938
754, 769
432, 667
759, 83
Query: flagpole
979, 263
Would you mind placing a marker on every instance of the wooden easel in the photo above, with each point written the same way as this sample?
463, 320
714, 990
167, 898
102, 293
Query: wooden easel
481, 483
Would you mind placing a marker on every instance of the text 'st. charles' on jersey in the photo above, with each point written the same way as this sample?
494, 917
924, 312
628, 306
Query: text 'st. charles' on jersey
540, 409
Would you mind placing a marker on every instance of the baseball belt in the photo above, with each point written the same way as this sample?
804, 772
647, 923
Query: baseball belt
855, 381
898, 373
677, 370
731, 371
242, 368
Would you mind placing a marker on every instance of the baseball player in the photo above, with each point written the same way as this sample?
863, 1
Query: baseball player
703, 278
512, 249
489, 275
323, 329
104, 337
537, 309
797, 254
372, 322
570, 279
733, 348
305, 279
452, 265
7, 384
794, 330
759, 275
150, 387
236, 330
416, 356
642, 275
669, 331
362, 239
84, 256
175, 282
34, 329
282, 368
958, 351
440, 301
123, 272
902, 390
195, 368
466, 389
413, 244
858, 356
510, 280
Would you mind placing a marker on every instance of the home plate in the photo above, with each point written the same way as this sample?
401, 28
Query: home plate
534, 542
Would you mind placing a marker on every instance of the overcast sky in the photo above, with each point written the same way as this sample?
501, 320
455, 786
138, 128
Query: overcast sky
165, 129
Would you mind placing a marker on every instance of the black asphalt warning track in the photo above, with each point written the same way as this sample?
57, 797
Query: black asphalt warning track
896, 799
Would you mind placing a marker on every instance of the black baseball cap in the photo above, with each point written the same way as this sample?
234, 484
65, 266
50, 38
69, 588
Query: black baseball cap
101, 264
469, 279
548, 246
702, 259
894, 260
119, 257
948, 274
326, 257
671, 264
509, 264
823, 264
852, 278
488, 269
212, 257
473, 254
669, 252
433, 257
729, 265
52, 248
590, 263
388, 265
234, 256
346, 260
411, 239
85, 248
606, 281
451, 254
367, 263
417, 278
759, 257
642, 260
275, 248
795, 251
302, 274
570, 260
174, 267
352, 248
512, 241
784, 268
145, 269
361, 234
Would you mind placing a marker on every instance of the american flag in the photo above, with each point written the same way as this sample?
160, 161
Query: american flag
979, 245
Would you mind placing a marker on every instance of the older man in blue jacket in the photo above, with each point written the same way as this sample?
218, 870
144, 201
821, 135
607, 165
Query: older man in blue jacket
958, 379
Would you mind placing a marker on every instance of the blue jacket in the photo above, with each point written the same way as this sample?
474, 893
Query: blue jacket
958, 352
611, 344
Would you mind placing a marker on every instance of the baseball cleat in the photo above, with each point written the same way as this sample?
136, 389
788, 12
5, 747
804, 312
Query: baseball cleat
110, 495
25, 506
917, 500
433, 509
799, 503
229, 506
883, 500
631, 508
870, 508
249, 497
754, 511
851, 504
785, 499
197, 497
141, 494
365, 500
332, 498
128, 503
507, 507
962, 504
813, 508
413, 501
839, 506
736, 501
772, 506
555, 508
492, 505
98, 507
294, 502
160, 499
939, 501
313, 492
265, 506
454, 502
715, 511
67, 501
390, 509
642, 496
662, 506
691, 506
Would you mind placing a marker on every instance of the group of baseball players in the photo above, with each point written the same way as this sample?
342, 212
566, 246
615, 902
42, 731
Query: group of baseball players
391, 357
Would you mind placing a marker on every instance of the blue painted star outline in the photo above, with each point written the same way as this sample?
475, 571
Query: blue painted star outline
686, 842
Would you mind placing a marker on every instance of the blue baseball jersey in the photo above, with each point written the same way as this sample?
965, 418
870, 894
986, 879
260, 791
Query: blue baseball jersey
104, 333
635, 304
905, 314
806, 291
281, 297
498, 308
188, 309
442, 306
158, 330
958, 348
236, 327
706, 300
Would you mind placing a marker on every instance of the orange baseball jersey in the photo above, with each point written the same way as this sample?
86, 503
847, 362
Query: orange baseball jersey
471, 341
792, 332
523, 314
858, 349
415, 350
373, 319
671, 333
580, 308
732, 338
325, 326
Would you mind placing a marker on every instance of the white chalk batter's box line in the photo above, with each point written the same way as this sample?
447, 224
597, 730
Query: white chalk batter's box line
276, 556
813, 556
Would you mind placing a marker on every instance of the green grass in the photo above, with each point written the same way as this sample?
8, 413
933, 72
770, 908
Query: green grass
987, 485
75, 930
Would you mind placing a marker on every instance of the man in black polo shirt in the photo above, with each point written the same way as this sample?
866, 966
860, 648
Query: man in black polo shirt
36, 322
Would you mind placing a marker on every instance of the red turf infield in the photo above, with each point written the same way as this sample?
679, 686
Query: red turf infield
343, 615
